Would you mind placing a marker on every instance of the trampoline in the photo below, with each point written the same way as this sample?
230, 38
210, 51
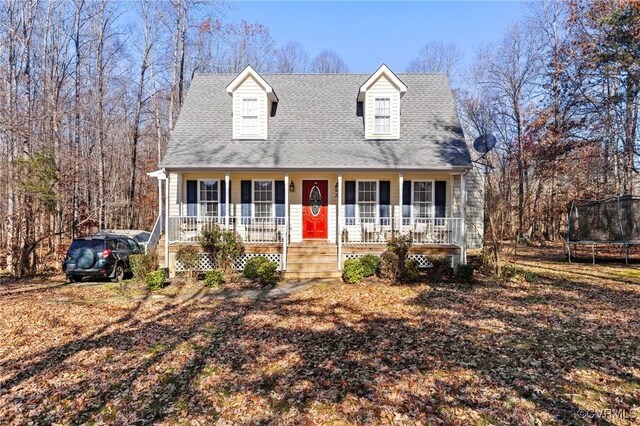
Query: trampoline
614, 221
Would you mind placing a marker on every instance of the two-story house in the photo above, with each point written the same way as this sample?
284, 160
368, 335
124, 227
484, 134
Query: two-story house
313, 169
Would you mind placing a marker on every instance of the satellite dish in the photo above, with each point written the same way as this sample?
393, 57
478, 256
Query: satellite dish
484, 143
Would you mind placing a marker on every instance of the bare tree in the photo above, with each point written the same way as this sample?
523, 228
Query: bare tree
435, 56
328, 62
292, 58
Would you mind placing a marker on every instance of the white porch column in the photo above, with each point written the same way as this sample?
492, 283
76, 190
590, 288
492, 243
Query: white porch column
339, 221
166, 222
286, 222
400, 201
160, 203
463, 218
226, 197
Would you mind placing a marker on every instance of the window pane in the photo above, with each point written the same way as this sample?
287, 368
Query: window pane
264, 209
367, 210
209, 209
209, 190
250, 125
383, 106
249, 106
367, 191
263, 190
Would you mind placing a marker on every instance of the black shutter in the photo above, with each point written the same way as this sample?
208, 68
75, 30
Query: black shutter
441, 198
350, 202
384, 203
279, 197
223, 199
245, 200
192, 197
406, 202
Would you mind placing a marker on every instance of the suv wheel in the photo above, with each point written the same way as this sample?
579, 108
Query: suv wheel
118, 274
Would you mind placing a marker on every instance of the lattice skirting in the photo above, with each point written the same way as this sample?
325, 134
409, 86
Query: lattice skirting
206, 262
422, 259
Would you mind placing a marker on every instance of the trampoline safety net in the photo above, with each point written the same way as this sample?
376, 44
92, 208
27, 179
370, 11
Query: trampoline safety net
612, 220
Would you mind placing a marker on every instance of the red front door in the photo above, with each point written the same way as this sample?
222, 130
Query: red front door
315, 222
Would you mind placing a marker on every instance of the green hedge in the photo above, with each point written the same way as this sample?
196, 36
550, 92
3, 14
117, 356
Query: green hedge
155, 279
352, 271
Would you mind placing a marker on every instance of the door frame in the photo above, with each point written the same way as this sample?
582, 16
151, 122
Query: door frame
328, 180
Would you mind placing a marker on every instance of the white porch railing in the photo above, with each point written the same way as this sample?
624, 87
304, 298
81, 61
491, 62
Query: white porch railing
423, 231
187, 229
252, 230
155, 235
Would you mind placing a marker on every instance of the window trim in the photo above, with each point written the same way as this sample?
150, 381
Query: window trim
243, 116
273, 198
433, 199
376, 211
199, 211
376, 115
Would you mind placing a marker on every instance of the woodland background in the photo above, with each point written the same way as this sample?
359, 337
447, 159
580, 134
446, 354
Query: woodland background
91, 90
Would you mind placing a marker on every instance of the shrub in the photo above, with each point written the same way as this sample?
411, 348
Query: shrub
411, 272
530, 277
464, 273
141, 265
155, 279
253, 264
209, 238
189, 256
230, 246
268, 273
223, 246
352, 271
389, 266
370, 263
400, 245
441, 267
214, 278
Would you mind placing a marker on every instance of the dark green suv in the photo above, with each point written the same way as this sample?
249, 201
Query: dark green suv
103, 256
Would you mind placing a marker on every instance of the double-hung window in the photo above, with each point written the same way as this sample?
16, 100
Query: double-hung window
209, 197
382, 115
249, 116
263, 198
422, 199
367, 198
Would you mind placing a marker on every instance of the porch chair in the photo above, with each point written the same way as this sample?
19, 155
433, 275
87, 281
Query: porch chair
369, 232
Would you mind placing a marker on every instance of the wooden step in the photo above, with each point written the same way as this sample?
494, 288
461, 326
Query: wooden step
312, 267
311, 258
311, 251
311, 275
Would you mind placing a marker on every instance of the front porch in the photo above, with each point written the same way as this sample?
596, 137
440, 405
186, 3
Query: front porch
347, 214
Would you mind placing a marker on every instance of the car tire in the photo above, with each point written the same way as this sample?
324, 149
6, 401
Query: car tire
118, 273
73, 279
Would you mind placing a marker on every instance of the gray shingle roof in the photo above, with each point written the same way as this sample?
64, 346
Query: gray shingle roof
316, 125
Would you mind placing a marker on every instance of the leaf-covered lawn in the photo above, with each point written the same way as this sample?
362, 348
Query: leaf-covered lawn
559, 348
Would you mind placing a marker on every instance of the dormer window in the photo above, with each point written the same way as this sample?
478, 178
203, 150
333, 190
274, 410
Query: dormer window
380, 96
249, 116
383, 116
253, 103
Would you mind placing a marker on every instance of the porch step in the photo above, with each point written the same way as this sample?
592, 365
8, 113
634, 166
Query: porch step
312, 259
312, 266
311, 275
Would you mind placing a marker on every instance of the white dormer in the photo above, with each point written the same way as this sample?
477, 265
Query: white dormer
380, 96
253, 100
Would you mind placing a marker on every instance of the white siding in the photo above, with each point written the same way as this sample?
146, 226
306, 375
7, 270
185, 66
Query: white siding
382, 88
250, 88
475, 208
174, 194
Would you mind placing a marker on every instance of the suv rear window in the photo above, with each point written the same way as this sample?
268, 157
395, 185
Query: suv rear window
96, 245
